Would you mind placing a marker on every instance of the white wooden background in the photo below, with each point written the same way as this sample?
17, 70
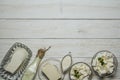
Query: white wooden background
82, 27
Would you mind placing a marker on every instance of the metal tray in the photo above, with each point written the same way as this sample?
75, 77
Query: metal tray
7, 75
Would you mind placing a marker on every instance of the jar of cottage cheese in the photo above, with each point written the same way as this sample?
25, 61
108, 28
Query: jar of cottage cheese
104, 63
80, 71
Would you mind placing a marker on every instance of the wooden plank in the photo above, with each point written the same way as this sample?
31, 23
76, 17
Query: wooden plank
91, 8
29, 8
106, 9
59, 28
60, 47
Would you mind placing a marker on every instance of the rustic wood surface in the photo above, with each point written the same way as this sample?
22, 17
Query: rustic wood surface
82, 27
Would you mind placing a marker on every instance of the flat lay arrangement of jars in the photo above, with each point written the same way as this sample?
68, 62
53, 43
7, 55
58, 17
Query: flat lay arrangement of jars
14, 65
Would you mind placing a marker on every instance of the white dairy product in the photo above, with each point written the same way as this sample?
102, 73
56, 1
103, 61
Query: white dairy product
103, 63
66, 62
17, 58
51, 71
80, 71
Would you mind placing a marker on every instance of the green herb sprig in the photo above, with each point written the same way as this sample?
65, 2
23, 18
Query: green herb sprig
101, 60
77, 74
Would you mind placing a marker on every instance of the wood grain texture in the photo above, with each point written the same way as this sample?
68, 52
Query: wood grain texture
91, 8
59, 28
60, 47
82, 27
60, 9
29, 8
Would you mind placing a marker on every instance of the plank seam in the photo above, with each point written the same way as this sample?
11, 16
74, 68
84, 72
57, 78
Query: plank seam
59, 38
59, 18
